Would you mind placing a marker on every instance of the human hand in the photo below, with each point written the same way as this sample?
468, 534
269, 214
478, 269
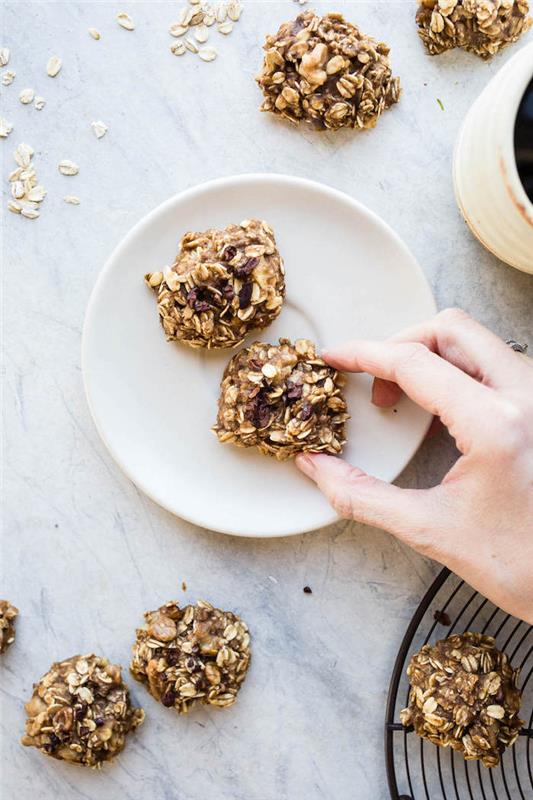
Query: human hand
479, 520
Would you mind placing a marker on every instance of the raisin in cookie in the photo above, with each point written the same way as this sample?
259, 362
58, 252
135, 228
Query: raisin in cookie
282, 399
325, 71
223, 284
81, 712
195, 654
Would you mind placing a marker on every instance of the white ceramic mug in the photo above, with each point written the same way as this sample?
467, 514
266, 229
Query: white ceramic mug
488, 188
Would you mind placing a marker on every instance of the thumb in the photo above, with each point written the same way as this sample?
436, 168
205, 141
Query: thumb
356, 495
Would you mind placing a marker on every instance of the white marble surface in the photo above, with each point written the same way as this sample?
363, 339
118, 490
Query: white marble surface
83, 552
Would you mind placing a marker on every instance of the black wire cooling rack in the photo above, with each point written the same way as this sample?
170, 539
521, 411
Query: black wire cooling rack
417, 769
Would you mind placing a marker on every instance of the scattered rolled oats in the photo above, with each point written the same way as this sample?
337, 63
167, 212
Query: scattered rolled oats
178, 30
464, 695
54, 66
323, 70
222, 284
26, 96
208, 54
483, 27
94, 33
99, 129
67, 167
201, 34
283, 400
25, 190
72, 199
81, 712
8, 613
8, 77
191, 46
125, 21
5, 128
4, 56
39, 103
190, 655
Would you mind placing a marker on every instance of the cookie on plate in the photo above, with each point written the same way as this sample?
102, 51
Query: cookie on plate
223, 284
8, 613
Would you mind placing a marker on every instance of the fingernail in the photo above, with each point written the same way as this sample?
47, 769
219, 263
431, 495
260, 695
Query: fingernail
306, 464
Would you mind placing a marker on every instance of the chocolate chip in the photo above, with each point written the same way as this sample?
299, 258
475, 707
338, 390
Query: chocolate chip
192, 297
294, 390
168, 698
79, 711
54, 742
442, 617
99, 721
245, 295
308, 590
201, 305
84, 731
193, 665
229, 253
228, 291
245, 269
255, 364
258, 411
307, 410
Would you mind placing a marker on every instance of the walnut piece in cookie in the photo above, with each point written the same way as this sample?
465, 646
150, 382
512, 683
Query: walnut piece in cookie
81, 712
282, 399
223, 284
325, 71
482, 27
7, 624
194, 654
464, 695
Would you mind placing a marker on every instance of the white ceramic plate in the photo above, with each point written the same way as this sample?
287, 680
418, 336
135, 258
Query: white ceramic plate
348, 275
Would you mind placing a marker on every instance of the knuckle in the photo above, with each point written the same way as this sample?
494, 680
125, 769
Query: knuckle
451, 316
510, 432
411, 354
342, 504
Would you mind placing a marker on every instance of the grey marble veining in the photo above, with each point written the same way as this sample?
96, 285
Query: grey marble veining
83, 552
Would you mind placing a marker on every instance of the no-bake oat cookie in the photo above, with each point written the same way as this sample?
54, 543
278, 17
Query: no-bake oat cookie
325, 71
7, 624
282, 399
464, 695
194, 654
81, 712
481, 26
223, 284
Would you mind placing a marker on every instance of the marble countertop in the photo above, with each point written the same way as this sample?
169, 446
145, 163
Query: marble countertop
84, 552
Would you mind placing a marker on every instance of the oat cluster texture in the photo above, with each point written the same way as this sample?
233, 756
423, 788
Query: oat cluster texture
325, 71
8, 613
483, 27
223, 284
81, 712
464, 695
282, 399
190, 655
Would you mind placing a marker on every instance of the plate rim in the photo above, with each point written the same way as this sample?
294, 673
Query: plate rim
144, 222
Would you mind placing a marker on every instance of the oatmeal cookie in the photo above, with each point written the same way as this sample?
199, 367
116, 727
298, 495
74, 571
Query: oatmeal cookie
7, 624
483, 27
464, 695
81, 712
194, 654
282, 399
223, 284
325, 71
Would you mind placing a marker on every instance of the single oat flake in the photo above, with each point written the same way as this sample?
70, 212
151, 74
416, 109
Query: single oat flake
94, 33
208, 54
125, 21
5, 128
54, 66
26, 96
39, 103
4, 56
99, 129
72, 199
67, 167
8, 77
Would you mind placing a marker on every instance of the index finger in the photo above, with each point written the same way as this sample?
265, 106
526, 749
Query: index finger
428, 379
